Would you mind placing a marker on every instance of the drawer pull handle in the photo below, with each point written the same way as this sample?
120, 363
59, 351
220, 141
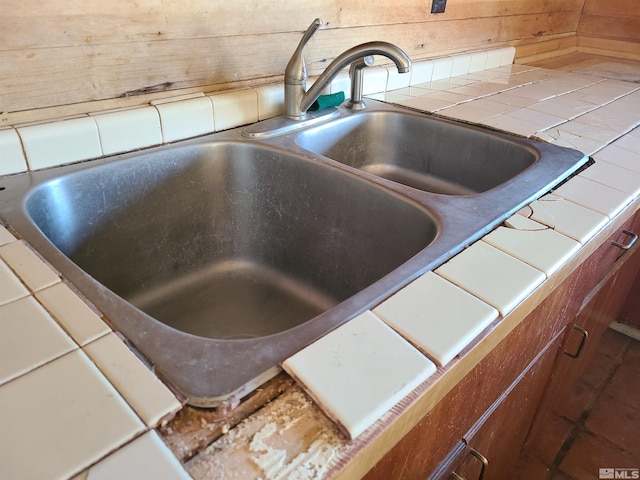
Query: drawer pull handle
483, 470
629, 244
583, 341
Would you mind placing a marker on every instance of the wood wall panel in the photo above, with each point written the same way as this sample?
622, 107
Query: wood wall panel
616, 20
54, 53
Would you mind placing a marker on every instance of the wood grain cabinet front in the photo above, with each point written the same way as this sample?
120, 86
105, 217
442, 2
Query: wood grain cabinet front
497, 406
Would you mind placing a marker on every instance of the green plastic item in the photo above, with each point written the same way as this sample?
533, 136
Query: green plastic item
327, 101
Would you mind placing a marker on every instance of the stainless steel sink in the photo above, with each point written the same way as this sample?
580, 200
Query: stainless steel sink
228, 240
421, 152
219, 257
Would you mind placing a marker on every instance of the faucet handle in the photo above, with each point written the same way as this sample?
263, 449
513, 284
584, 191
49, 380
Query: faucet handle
309, 33
296, 71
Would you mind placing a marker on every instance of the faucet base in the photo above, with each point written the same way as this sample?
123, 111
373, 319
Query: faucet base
356, 105
280, 125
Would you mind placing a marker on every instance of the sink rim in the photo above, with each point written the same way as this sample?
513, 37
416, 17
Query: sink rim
131, 320
457, 220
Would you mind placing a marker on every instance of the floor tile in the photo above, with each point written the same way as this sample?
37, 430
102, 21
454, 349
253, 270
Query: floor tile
614, 345
601, 198
546, 249
72, 314
568, 218
359, 371
598, 372
581, 398
436, 316
146, 457
26, 264
66, 414
11, 288
530, 468
146, 394
587, 456
492, 275
625, 385
551, 436
30, 338
616, 421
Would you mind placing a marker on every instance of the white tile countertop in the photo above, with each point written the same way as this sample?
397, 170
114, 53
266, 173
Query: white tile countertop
69, 382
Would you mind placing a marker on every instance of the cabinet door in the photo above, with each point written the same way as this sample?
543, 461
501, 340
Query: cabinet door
582, 336
498, 436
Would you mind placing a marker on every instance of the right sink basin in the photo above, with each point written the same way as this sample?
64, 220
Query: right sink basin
421, 152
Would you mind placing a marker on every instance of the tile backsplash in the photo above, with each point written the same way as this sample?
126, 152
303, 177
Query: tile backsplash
34, 147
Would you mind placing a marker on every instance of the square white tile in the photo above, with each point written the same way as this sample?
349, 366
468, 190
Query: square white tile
11, 156
594, 195
563, 107
436, 316
620, 156
492, 275
424, 103
76, 417
544, 249
359, 371
630, 141
397, 80
441, 68
6, 236
235, 108
342, 83
270, 101
75, 316
26, 264
461, 64
186, 118
146, 394
558, 136
11, 288
421, 72
30, 338
478, 61
130, 129
146, 457
568, 218
61, 142
614, 176
375, 80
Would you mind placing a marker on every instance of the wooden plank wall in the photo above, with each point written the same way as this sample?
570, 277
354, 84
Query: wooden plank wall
610, 27
56, 53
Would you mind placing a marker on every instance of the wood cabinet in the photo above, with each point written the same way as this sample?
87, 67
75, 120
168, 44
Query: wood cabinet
491, 411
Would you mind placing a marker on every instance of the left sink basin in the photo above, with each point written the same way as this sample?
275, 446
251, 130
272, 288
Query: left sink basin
218, 259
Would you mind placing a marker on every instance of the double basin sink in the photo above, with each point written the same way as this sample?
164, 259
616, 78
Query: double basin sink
221, 256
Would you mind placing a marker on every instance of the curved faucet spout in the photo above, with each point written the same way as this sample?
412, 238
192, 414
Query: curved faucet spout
298, 102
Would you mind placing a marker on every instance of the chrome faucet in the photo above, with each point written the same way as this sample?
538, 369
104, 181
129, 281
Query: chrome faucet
297, 100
